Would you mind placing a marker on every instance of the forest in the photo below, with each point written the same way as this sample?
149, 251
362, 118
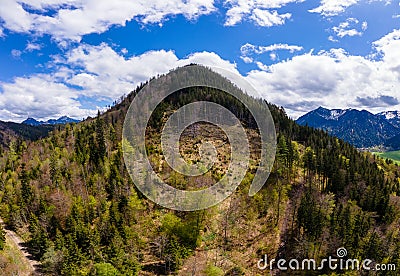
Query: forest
70, 196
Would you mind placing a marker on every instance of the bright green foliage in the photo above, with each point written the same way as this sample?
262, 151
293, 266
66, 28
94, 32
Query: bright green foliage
213, 271
52, 261
182, 239
104, 269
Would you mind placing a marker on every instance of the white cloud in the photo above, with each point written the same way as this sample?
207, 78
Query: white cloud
208, 59
348, 28
394, 36
247, 50
364, 26
273, 56
330, 78
333, 79
15, 17
262, 66
250, 48
33, 47
74, 18
266, 18
331, 38
1, 32
246, 59
40, 97
333, 7
342, 32
388, 48
16, 53
387, 2
95, 72
262, 13
330, 8
99, 70
42, 5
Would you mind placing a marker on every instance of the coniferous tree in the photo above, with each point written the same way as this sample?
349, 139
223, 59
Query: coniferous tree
2, 238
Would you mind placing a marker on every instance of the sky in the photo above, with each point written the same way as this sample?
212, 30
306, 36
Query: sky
74, 57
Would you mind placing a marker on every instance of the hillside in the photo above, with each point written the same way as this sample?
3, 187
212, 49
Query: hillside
10, 131
360, 128
394, 142
70, 193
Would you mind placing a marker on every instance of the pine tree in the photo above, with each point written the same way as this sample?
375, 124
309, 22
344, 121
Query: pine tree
26, 190
100, 138
2, 237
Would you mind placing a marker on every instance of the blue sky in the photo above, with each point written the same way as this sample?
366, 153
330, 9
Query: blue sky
73, 57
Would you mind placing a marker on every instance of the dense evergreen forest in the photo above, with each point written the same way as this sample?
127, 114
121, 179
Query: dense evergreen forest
71, 197
11, 132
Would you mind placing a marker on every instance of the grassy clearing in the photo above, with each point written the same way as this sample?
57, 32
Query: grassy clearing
12, 260
394, 155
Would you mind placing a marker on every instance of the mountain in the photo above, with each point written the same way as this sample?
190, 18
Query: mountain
393, 143
60, 121
360, 128
30, 129
321, 116
392, 117
32, 122
72, 196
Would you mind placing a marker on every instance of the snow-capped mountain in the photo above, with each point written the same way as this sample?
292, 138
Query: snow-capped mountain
60, 121
325, 114
32, 122
392, 117
335, 114
360, 128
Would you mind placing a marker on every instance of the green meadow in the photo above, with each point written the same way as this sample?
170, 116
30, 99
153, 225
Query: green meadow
394, 155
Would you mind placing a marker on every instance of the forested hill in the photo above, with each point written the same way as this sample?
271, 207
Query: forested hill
71, 195
10, 131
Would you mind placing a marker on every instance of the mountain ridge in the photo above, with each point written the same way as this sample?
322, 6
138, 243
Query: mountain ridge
60, 121
392, 117
10, 131
361, 128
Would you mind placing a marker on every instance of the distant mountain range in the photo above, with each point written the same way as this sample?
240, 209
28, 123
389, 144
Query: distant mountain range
10, 131
30, 129
360, 128
60, 121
